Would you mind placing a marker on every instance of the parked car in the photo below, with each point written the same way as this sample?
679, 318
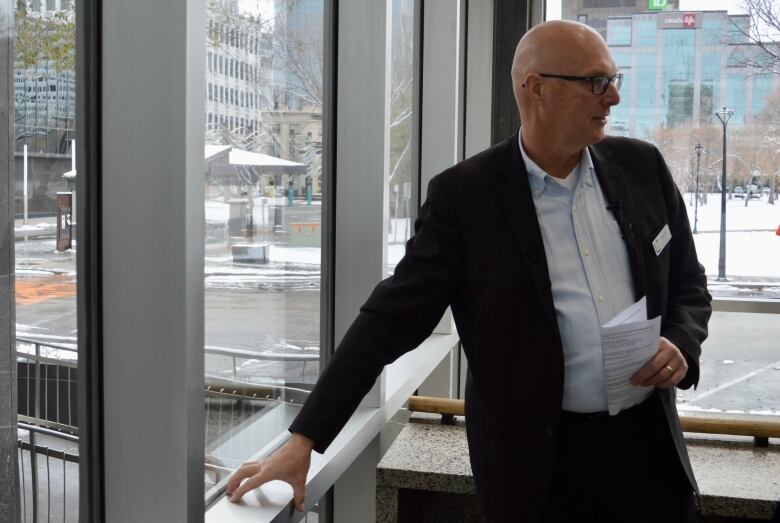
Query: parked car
738, 192
765, 192
754, 191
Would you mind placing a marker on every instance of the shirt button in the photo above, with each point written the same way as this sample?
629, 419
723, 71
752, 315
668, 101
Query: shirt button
601, 297
586, 252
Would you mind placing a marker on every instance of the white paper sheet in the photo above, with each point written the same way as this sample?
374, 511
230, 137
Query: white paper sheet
628, 341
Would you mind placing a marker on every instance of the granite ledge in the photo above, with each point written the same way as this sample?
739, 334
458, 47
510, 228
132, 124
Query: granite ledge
735, 478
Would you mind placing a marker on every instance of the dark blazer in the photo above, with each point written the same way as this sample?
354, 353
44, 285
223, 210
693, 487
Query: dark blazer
478, 248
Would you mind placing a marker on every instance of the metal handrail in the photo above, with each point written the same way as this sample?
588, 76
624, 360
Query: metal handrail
245, 388
725, 424
45, 344
246, 354
49, 432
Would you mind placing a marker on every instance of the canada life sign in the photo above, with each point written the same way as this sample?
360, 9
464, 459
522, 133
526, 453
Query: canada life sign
677, 20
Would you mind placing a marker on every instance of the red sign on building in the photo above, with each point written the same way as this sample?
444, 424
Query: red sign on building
689, 20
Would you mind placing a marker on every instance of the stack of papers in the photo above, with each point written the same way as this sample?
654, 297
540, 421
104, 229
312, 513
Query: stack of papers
628, 341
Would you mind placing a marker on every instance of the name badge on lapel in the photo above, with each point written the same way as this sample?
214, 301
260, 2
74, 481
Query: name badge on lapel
661, 240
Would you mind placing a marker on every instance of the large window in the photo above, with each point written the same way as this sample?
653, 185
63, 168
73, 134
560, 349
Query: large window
263, 222
44, 201
402, 170
676, 76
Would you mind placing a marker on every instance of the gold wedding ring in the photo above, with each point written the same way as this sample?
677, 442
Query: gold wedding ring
670, 369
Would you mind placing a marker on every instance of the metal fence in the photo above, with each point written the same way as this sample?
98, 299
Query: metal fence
46, 380
48, 474
48, 430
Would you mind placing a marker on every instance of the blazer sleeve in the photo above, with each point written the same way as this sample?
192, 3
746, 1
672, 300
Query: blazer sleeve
400, 313
689, 303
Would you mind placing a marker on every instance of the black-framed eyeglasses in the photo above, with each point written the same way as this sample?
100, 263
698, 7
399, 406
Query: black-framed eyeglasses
598, 84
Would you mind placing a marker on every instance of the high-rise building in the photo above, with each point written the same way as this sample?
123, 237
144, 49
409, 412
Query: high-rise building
595, 12
237, 53
263, 91
680, 67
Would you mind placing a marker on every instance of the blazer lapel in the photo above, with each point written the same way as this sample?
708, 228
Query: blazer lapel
514, 194
615, 187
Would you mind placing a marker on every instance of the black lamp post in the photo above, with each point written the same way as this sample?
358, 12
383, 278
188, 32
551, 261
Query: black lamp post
724, 116
699, 148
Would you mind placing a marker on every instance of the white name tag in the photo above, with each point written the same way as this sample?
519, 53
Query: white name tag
661, 240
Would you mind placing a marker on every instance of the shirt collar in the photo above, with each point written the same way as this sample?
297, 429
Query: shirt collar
537, 177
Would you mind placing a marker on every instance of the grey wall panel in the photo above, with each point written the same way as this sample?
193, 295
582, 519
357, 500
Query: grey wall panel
152, 247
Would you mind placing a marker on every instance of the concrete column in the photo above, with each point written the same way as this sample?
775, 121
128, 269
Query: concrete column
9, 493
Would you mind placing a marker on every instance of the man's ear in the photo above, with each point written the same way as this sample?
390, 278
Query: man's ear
533, 86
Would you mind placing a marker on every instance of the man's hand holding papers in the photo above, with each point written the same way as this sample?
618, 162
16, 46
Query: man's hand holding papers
667, 368
637, 357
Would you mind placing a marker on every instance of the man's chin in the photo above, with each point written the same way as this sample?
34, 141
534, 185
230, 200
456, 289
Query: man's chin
597, 136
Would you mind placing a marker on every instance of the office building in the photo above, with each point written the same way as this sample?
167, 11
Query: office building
680, 67
596, 12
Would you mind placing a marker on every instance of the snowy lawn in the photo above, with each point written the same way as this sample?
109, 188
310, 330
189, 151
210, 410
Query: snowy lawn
752, 247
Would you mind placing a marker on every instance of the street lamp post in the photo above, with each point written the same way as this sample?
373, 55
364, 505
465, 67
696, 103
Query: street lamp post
724, 116
699, 148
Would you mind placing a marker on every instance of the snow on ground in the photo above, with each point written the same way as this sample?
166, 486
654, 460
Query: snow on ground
757, 215
754, 255
752, 247
749, 255
35, 227
303, 255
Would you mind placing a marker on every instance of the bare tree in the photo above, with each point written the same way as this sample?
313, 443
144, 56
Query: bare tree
763, 32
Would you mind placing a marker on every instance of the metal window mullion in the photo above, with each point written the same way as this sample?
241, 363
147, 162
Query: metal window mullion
152, 216
362, 160
89, 393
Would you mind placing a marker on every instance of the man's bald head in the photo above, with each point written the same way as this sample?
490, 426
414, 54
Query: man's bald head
554, 46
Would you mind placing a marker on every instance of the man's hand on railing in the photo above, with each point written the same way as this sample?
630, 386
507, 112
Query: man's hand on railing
289, 464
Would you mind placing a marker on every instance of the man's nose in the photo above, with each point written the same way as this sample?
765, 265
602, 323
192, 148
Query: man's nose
611, 96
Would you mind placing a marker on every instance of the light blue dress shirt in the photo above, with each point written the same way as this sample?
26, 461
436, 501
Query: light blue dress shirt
589, 271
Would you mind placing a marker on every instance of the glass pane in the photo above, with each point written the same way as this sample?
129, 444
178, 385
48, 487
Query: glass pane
45, 257
401, 168
678, 72
263, 221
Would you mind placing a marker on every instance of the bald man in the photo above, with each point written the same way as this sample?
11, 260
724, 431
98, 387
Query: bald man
585, 226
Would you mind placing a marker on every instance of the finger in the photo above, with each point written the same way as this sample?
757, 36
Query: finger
250, 484
673, 380
244, 471
675, 366
299, 497
661, 376
667, 354
649, 369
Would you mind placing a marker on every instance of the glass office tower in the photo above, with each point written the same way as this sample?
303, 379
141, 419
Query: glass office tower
680, 67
